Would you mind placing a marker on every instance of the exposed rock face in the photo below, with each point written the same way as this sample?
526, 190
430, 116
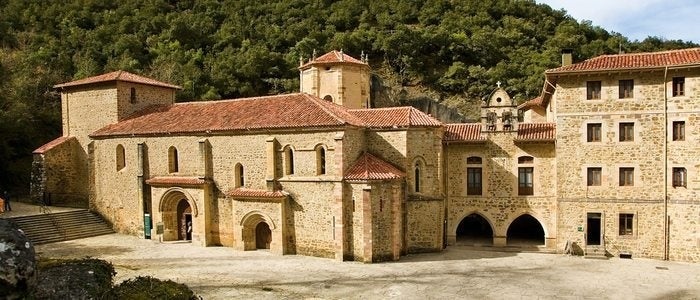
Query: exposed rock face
17, 262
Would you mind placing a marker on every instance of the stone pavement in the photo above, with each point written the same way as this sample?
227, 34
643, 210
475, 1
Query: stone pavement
224, 273
20, 209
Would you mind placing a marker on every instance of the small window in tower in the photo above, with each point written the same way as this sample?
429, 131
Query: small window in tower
121, 160
417, 181
328, 68
328, 98
132, 96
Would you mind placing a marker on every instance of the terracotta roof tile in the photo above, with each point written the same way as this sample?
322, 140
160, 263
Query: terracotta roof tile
467, 133
539, 101
252, 193
634, 61
176, 180
395, 117
333, 57
268, 112
369, 167
117, 76
536, 132
50, 145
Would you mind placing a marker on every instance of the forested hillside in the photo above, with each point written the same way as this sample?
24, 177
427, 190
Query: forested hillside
448, 50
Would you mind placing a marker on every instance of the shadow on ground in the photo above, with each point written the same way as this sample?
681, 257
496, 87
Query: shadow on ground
79, 250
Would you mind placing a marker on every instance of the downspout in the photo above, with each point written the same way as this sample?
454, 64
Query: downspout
666, 219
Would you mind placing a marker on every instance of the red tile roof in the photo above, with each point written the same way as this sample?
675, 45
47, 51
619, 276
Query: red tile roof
333, 57
369, 167
649, 60
395, 117
539, 101
117, 76
52, 144
465, 133
176, 180
252, 193
536, 132
268, 112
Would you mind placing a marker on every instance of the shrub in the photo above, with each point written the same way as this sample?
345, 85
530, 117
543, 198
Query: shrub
146, 287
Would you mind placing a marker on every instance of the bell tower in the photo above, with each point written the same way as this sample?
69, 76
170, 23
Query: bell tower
336, 77
499, 112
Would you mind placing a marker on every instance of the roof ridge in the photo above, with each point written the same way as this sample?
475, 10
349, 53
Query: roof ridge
381, 108
236, 99
322, 104
325, 109
650, 53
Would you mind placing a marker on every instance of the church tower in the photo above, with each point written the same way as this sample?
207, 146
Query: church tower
499, 112
336, 77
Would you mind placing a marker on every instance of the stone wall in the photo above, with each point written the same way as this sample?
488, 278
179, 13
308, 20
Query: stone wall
310, 214
60, 175
424, 224
499, 202
653, 154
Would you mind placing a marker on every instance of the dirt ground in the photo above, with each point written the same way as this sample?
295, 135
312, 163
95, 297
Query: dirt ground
457, 272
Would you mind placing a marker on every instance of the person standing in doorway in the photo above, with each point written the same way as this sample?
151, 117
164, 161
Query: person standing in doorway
189, 231
6, 197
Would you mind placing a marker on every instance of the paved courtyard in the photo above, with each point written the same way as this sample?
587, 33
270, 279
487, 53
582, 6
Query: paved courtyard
223, 273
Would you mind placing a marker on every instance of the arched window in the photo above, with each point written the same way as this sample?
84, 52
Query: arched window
132, 95
328, 98
417, 174
320, 160
239, 175
288, 160
172, 160
121, 160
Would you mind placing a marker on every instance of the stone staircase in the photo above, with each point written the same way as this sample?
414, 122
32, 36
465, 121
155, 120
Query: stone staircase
62, 226
595, 252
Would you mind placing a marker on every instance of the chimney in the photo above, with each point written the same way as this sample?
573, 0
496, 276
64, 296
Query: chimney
566, 57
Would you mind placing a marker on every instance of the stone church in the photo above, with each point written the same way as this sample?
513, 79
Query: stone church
604, 161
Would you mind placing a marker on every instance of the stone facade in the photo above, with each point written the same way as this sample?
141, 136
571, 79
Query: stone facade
352, 183
651, 216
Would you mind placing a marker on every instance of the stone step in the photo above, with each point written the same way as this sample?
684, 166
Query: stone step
63, 226
595, 252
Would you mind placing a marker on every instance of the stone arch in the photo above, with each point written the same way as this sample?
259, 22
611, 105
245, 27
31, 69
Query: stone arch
170, 198
250, 225
174, 205
475, 230
472, 212
526, 229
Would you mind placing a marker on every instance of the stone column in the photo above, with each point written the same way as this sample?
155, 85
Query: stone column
339, 206
271, 163
367, 233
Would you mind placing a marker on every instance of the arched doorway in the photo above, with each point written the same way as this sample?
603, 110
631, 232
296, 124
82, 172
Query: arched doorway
263, 236
474, 230
525, 231
184, 220
178, 210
